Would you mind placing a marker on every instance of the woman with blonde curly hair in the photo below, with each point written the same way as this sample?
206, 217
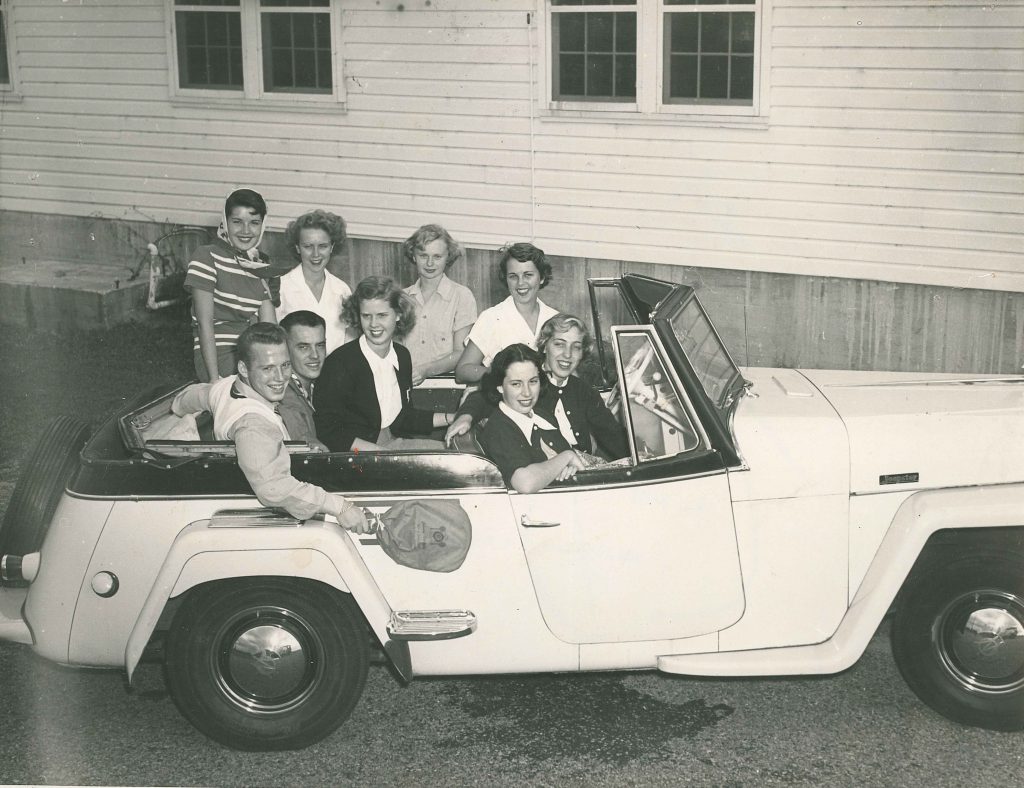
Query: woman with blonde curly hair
313, 237
362, 397
445, 310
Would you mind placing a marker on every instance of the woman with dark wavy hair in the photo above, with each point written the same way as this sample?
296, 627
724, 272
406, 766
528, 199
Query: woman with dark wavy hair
313, 238
362, 397
524, 270
527, 447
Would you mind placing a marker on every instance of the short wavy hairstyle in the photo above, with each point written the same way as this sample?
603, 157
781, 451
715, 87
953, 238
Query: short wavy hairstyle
330, 223
503, 359
380, 287
245, 198
561, 323
524, 252
258, 334
429, 233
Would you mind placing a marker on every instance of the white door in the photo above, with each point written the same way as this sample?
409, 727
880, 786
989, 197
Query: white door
646, 551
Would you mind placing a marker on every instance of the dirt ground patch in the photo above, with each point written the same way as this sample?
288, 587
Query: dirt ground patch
87, 375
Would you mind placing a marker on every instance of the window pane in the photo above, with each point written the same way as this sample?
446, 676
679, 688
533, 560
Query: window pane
571, 81
593, 2
660, 424
295, 2
595, 56
709, 57
714, 32
206, 2
714, 76
209, 49
742, 33
295, 46
5, 73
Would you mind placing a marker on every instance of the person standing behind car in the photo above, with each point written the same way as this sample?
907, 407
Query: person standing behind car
307, 349
228, 285
244, 408
445, 310
314, 237
524, 269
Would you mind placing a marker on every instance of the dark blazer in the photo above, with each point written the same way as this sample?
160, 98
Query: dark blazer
589, 417
504, 443
345, 399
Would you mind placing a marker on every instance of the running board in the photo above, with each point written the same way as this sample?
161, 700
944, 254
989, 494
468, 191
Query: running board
430, 624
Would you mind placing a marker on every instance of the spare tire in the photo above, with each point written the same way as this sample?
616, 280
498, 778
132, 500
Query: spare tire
44, 477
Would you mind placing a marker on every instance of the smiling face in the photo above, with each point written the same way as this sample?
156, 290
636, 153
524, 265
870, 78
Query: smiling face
563, 352
267, 371
523, 280
243, 228
378, 321
307, 349
521, 387
314, 249
431, 259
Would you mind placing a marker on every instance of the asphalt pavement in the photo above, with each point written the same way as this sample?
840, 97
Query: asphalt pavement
860, 728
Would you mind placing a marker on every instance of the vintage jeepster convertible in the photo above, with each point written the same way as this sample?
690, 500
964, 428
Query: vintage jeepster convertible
764, 523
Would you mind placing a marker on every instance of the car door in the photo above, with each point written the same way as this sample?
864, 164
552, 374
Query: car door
645, 549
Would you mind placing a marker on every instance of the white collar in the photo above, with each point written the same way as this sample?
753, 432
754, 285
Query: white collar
376, 360
526, 423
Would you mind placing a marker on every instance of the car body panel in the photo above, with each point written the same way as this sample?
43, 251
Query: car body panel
607, 553
948, 430
792, 441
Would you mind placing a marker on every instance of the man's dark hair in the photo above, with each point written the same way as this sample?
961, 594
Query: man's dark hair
258, 334
302, 317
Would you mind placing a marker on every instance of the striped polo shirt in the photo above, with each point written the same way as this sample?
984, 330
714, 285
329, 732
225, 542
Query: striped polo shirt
237, 293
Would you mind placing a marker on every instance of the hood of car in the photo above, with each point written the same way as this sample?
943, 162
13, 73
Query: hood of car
921, 431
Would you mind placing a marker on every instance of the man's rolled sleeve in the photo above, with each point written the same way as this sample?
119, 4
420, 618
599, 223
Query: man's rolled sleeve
194, 399
267, 465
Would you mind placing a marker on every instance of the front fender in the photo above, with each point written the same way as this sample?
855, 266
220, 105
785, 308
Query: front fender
917, 519
316, 550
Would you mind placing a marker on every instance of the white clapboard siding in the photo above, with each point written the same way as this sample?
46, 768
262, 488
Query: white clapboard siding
890, 146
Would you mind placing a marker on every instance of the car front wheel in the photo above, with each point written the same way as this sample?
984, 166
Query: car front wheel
958, 638
266, 663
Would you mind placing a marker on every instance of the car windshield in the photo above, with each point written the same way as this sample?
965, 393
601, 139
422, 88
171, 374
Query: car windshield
712, 363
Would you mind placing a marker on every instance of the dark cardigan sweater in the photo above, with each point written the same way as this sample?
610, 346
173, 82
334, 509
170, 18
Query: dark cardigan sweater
345, 399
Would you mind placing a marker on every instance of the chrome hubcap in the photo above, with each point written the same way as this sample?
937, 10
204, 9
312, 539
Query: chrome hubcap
268, 660
979, 638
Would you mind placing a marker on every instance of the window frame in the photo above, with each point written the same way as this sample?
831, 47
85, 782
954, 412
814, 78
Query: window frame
253, 89
651, 65
11, 90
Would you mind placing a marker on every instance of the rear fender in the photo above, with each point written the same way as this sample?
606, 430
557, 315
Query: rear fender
316, 551
918, 518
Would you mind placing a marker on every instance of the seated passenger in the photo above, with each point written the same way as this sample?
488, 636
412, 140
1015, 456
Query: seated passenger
362, 397
580, 413
314, 237
307, 348
243, 408
528, 449
524, 270
445, 310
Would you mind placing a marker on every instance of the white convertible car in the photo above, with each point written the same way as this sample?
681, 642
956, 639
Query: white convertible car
764, 523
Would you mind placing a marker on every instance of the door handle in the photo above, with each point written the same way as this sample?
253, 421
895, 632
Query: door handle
526, 522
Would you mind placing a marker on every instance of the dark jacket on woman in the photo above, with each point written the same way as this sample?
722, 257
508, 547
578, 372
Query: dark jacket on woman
345, 399
589, 417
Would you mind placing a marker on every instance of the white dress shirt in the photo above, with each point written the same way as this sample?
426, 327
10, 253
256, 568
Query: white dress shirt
385, 381
296, 295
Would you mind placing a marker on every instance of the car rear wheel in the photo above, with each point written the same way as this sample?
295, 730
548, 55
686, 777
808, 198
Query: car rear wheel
266, 663
46, 473
958, 638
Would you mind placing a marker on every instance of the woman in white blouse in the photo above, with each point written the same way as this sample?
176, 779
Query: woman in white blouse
314, 236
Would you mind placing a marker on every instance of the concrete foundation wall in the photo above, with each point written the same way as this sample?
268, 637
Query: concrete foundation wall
766, 319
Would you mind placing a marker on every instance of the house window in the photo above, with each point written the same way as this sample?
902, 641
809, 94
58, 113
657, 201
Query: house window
651, 56
5, 65
258, 48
